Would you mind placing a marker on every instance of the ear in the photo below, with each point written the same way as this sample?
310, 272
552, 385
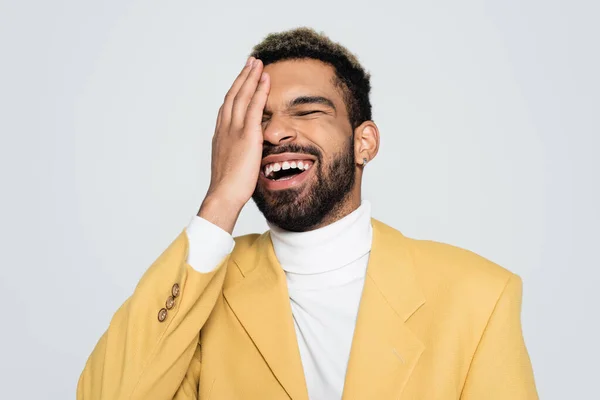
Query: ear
366, 142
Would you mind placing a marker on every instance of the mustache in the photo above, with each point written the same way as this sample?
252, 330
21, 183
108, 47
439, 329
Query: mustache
291, 148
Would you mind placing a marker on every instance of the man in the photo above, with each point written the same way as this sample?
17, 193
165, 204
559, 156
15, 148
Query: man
328, 303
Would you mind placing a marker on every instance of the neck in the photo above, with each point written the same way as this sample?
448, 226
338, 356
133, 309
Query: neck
327, 248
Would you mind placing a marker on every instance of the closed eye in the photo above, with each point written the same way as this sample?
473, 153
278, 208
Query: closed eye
303, 113
267, 117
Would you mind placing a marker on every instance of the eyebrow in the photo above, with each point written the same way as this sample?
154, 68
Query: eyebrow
298, 101
302, 100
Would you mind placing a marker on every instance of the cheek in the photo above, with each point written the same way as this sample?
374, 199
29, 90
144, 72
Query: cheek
326, 133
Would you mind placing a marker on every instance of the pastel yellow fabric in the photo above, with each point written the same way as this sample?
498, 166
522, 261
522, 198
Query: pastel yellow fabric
435, 322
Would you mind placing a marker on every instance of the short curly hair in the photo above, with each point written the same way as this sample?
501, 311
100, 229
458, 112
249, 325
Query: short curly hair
304, 42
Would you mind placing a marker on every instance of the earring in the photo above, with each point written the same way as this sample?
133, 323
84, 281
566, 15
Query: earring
364, 162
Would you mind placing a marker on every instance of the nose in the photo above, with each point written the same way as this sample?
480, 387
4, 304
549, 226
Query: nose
277, 131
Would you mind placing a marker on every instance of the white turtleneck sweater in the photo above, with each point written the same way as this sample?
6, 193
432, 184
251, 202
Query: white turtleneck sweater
325, 271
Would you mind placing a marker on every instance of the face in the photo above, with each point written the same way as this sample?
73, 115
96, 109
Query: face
308, 167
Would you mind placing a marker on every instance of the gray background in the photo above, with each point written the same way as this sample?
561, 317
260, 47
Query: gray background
488, 112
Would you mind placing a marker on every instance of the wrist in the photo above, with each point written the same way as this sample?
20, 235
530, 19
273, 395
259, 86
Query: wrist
220, 211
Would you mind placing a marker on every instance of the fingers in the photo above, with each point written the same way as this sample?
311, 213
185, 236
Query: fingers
219, 119
243, 97
256, 107
225, 117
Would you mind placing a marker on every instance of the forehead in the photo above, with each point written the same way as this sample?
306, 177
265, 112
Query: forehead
293, 78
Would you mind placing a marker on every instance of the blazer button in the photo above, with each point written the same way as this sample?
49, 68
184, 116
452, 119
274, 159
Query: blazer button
162, 314
170, 302
175, 290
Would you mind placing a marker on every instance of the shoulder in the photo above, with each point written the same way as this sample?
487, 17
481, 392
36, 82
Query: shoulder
245, 242
453, 262
450, 272
245, 255
248, 247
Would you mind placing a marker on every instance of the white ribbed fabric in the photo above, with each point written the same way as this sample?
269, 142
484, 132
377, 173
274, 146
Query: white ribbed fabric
325, 271
208, 245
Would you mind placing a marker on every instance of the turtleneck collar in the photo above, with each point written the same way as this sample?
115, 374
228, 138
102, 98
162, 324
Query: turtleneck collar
325, 249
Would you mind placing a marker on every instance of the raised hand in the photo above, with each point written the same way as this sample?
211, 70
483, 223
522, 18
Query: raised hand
237, 147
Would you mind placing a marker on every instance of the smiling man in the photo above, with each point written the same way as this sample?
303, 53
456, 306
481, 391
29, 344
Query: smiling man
327, 304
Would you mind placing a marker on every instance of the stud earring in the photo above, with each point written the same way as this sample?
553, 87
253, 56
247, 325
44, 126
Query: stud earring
364, 162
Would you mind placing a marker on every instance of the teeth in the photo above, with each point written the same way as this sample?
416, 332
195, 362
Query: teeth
274, 167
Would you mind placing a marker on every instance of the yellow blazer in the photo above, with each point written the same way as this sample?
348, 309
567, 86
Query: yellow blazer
435, 322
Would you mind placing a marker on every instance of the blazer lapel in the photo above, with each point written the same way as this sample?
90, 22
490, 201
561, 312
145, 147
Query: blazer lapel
384, 350
261, 303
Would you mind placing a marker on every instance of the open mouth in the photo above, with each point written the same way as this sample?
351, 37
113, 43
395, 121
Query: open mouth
281, 171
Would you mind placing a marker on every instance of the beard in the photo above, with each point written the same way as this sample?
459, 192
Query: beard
301, 209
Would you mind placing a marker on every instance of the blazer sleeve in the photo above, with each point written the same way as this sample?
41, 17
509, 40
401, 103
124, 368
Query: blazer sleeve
150, 350
501, 368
